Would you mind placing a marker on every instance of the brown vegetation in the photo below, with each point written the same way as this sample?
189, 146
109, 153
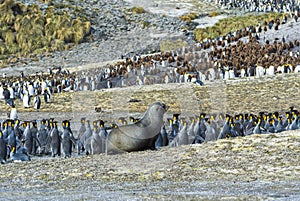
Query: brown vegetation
26, 29
232, 24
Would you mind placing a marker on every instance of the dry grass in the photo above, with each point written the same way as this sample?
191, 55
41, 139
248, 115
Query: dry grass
234, 23
270, 94
188, 17
137, 10
26, 29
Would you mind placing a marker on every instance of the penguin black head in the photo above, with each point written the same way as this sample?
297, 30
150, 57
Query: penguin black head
271, 120
34, 123
44, 122
261, 114
227, 116
67, 123
122, 119
275, 114
175, 117
295, 112
8, 122
131, 119
101, 122
95, 123
64, 123
82, 120
113, 125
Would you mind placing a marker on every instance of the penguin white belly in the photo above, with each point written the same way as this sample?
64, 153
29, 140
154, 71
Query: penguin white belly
26, 101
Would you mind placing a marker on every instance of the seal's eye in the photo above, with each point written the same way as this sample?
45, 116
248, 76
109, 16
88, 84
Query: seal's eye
165, 106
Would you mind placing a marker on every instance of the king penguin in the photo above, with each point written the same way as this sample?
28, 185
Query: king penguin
3, 149
55, 140
67, 140
37, 102
47, 95
26, 100
98, 140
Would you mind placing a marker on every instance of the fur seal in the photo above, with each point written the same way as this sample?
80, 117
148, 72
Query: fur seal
138, 136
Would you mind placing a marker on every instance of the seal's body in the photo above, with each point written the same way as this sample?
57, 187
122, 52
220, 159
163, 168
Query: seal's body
140, 135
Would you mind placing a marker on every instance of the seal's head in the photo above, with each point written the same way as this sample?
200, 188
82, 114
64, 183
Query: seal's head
157, 108
164, 106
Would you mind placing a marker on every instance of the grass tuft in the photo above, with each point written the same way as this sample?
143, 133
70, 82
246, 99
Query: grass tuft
232, 24
25, 29
188, 17
137, 10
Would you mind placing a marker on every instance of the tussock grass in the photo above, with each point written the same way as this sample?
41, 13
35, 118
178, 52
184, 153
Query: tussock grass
25, 29
234, 23
214, 14
137, 10
188, 17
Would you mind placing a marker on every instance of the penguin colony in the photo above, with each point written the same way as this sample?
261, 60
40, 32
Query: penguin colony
260, 5
21, 140
243, 53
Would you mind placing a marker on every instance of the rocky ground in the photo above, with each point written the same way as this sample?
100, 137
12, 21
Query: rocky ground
257, 167
117, 32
